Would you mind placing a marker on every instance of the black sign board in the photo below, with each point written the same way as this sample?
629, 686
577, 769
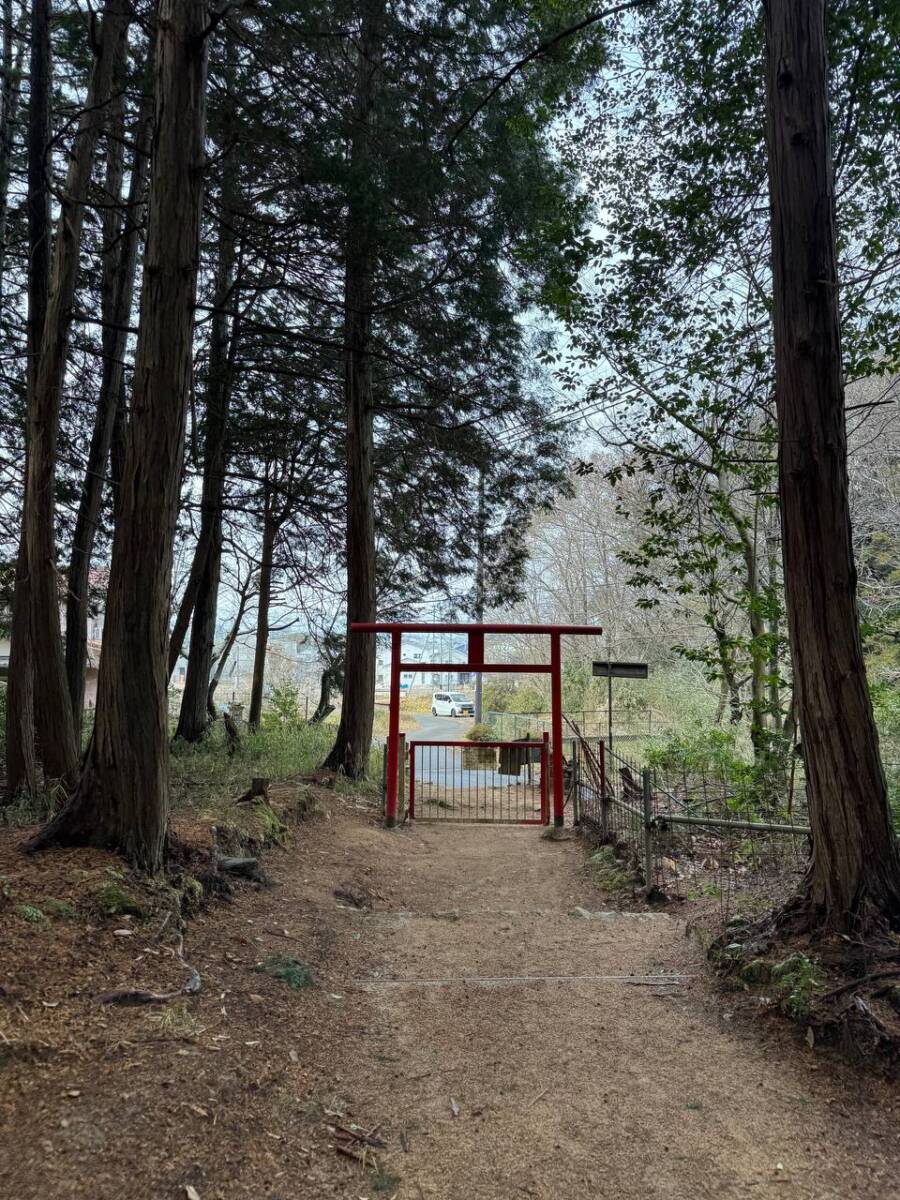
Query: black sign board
621, 670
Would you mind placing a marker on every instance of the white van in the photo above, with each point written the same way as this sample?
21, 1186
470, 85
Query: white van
451, 704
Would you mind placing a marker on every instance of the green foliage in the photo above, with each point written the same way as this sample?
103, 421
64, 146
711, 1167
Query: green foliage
288, 970
612, 873
757, 786
796, 979
284, 708
481, 733
203, 775
504, 696
33, 809
63, 909
30, 913
698, 751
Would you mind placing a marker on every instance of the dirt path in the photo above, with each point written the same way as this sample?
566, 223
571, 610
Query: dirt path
501, 1045
593, 1081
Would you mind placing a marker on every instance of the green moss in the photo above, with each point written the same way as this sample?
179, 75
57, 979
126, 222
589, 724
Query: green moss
757, 971
60, 908
191, 895
274, 829
114, 900
289, 970
610, 872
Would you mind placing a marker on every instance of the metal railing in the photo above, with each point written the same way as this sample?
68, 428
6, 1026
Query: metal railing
592, 722
690, 845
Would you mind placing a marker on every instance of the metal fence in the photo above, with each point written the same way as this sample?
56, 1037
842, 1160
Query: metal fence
495, 782
627, 727
684, 838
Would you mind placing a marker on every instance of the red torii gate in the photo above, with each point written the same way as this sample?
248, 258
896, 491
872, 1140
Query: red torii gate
475, 663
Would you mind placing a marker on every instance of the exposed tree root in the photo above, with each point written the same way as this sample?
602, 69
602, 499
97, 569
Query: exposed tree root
133, 996
843, 988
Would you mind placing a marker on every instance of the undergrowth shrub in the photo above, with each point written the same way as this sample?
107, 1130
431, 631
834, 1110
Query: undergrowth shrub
711, 759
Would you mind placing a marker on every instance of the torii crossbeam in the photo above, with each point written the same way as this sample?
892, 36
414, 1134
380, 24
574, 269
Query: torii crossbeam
475, 663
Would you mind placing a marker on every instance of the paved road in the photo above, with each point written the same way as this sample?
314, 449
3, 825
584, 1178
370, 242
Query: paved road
463, 792
439, 729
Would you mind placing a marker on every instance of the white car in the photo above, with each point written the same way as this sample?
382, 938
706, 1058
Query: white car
451, 704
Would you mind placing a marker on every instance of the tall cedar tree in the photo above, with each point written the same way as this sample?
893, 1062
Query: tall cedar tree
350, 752
54, 724
441, 232
21, 769
122, 231
122, 797
854, 876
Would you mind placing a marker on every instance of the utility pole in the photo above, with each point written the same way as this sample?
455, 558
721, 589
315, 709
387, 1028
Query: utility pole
479, 591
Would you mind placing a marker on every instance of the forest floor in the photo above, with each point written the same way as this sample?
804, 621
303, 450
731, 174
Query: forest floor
466, 1033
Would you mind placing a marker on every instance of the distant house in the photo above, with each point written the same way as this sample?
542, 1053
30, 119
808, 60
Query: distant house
424, 648
98, 580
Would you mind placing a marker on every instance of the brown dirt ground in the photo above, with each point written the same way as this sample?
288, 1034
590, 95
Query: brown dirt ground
577, 1085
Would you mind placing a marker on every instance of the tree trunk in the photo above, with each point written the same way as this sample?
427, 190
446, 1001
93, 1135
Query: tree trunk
192, 719
9, 104
350, 752
324, 707
731, 691
193, 714
854, 875
122, 796
227, 648
21, 768
270, 534
120, 250
479, 590
54, 725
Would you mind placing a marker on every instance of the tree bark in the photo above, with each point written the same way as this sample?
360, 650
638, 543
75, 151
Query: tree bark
192, 718
350, 752
270, 535
324, 707
121, 239
54, 725
122, 797
21, 766
854, 877
9, 105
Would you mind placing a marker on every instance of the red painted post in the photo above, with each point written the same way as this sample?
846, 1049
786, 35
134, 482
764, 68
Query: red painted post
476, 648
556, 727
393, 763
412, 781
545, 763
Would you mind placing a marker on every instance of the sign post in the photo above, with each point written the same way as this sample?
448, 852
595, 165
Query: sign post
617, 670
